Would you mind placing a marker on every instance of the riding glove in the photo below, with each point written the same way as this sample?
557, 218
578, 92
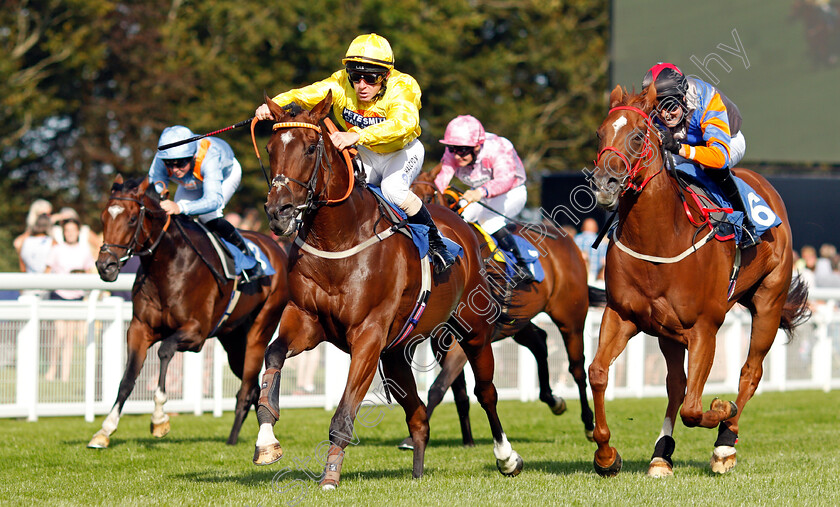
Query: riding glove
670, 144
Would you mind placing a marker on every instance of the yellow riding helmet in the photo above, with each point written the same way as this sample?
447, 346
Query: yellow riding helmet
370, 48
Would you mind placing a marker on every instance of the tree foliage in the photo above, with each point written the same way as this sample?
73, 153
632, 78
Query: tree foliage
90, 84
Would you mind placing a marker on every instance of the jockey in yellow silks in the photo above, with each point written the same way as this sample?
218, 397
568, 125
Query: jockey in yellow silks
379, 107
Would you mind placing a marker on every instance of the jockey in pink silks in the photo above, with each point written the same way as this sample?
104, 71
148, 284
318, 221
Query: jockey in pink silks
490, 166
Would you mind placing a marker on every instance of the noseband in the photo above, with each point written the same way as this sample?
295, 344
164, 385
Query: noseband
646, 151
129, 248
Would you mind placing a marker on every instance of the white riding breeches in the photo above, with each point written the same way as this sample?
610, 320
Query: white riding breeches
509, 204
394, 172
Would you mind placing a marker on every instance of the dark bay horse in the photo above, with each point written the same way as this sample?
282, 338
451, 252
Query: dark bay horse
678, 293
564, 295
178, 299
357, 292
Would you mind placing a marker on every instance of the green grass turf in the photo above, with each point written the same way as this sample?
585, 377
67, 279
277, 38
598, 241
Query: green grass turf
788, 454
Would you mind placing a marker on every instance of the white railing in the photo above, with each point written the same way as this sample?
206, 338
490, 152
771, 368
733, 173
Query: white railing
202, 382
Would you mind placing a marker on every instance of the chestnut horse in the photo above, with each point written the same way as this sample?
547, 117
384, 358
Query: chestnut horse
179, 298
663, 280
564, 295
351, 287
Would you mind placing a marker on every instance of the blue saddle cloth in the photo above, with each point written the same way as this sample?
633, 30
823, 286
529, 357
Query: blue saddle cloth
762, 216
257, 258
419, 233
529, 253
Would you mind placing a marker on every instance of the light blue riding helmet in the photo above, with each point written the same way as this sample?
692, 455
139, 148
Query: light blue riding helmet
173, 134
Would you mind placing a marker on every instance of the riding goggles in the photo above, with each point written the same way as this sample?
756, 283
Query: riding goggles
369, 77
172, 163
461, 151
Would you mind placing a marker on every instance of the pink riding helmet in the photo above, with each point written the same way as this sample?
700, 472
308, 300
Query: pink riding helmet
464, 130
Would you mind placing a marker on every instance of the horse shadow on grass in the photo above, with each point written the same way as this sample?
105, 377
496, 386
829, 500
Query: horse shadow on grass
450, 441
629, 467
151, 442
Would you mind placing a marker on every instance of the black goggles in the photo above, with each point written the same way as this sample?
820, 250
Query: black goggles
172, 163
370, 78
461, 151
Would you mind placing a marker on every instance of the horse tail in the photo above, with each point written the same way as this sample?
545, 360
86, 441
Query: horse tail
597, 297
795, 311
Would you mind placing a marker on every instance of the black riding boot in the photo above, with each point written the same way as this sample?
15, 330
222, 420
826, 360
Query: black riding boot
229, 233
506, 241
438, 252
723, 177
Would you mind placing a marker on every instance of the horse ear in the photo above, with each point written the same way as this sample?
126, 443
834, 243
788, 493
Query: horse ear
321, 109
616, 96
436, 170
275, 108
118, 180
144, 184
650, 98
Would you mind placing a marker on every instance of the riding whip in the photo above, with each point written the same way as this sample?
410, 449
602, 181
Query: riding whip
202, 136
523, 224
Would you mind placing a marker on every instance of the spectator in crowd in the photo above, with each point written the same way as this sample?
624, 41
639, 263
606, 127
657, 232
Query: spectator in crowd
595, 258
71, 256
37, 208
36, 249
807, 264
824, 273
86, 235
252, 220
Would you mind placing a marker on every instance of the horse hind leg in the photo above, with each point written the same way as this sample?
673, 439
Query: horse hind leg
661, 463
462, 405
762, 336
159, 425
508, 461
534, 339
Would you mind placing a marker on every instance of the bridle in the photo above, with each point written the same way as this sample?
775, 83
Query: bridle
646, 151
281, 181
130, 247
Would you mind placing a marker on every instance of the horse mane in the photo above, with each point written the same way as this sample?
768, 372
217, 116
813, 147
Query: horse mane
132, 184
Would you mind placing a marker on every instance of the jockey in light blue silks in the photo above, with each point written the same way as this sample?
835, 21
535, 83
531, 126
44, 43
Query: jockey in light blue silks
207, 174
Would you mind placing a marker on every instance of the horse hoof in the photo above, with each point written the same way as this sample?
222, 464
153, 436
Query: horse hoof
100, 440
721, 405
609, 471
559, 406
512, 466
328, 485
723, 459
590, 435
159, 430
268, 454
406, 445
660, 468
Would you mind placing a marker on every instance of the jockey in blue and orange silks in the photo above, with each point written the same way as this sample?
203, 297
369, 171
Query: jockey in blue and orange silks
207, 174
379, 107
701, 125
491, 167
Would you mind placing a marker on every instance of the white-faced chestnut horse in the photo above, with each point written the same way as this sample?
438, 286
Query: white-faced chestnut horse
357, 292
179, 297
664, 280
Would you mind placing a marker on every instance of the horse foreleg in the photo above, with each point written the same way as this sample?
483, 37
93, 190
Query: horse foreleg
613, 337
661, 464
139, 337
398, 373
364, 355
302, 329
534, 339
480, 354
160, 420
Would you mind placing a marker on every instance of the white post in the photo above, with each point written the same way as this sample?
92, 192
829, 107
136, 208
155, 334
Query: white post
194, 380
336, 370
635, 365
113, 350
219, 358
90, 356
778, 364
821, 350
27, 359
732, 345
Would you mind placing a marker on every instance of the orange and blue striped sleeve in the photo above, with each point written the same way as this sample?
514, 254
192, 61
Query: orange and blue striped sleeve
715, 126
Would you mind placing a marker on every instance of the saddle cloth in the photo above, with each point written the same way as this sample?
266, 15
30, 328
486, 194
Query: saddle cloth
760, 212
234, 261
528, 251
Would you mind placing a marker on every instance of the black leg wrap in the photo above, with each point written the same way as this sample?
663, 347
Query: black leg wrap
726, 436
268, 408
664, 449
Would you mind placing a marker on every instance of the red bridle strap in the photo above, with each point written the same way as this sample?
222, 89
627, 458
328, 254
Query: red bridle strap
646, 150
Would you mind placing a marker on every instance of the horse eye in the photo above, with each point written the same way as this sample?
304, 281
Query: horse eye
132, 220
311, 149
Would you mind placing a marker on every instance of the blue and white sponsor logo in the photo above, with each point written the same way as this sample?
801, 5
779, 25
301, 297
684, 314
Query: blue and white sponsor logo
357, 120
